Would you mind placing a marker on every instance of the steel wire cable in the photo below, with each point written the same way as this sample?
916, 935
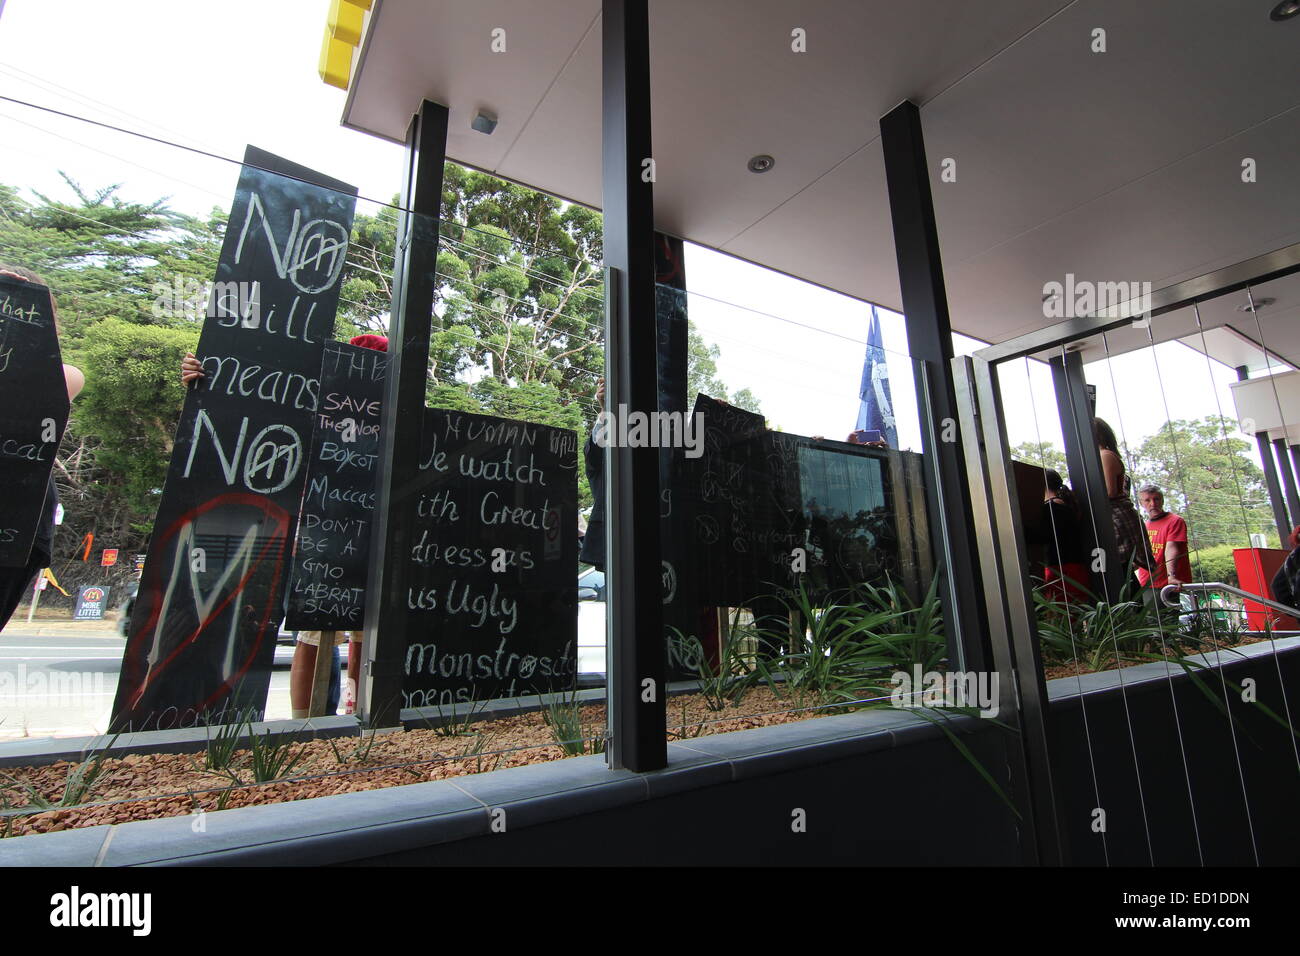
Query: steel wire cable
1164, 649
1259, 330
1232, 459
1074, 648
1088, 434
236, 162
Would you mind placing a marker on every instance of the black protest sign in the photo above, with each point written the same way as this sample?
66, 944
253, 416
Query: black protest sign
771, 511
327, 584
202, 636
493, 592
33, 413
720, 491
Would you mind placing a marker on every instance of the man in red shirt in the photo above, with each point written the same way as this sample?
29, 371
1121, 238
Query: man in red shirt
1168, 534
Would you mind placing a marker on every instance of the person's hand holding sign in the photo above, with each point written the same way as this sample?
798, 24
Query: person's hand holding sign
191, 369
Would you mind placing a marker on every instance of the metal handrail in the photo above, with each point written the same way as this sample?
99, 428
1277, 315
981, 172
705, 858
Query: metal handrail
1173, 589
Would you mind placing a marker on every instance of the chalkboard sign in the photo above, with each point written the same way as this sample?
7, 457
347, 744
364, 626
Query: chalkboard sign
202, 635
33, 413
332, 551
724, 491
493, 592
771, 511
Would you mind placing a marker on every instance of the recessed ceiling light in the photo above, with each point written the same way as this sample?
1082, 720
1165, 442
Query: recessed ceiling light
761, 163
484, 122
1285, 10
1258, 304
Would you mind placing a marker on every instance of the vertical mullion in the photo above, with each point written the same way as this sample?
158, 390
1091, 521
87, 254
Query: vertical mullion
1288, 482
388, 619
634, 627
1033, 710
1271, 482
929, 342
1084, 461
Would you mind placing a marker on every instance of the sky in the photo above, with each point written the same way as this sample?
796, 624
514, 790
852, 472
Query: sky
219, 77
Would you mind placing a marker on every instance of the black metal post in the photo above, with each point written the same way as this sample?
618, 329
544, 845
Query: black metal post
1087, 480
634, 626
1004, 562
1295, 469
1006, 604
929, 341
1289, 483
1275, 500
414, 285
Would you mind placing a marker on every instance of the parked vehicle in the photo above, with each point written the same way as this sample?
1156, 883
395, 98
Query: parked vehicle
124, 612
591, 622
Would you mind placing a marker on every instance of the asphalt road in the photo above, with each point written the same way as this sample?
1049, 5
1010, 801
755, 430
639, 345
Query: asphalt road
58, 680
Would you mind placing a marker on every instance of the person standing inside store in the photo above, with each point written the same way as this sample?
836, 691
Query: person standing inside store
14, 582
1132, 544
1065, 570
1167, 533
1286, 583
593, 453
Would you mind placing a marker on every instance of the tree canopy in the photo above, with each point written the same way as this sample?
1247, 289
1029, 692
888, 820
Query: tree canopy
516, 326
1205, 471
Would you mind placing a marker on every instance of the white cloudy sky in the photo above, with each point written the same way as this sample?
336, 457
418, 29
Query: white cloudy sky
218, 77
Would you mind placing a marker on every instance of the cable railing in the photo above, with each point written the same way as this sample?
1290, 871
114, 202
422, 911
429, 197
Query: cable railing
1169, 595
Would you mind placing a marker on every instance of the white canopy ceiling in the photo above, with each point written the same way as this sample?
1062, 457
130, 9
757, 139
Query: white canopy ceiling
1123, 165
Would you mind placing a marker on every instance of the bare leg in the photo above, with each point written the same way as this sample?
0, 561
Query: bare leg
354, 674
300, 679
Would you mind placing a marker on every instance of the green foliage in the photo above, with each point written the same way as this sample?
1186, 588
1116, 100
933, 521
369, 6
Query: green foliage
360, 752
272, 756
562, 713
458, 722
515, 331
475, 749
735, 675
108, 261
102, 255
853, 645
1098, 634
686, 730
1207, 475
702, 374
220, 750
1209, 478
79, 784
1215, 564
130, 406
1042, 455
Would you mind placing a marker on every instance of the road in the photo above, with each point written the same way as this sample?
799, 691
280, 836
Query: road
57, 679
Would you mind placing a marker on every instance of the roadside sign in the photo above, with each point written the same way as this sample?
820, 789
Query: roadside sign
139, 562
109, 559
42, 583
91, 603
